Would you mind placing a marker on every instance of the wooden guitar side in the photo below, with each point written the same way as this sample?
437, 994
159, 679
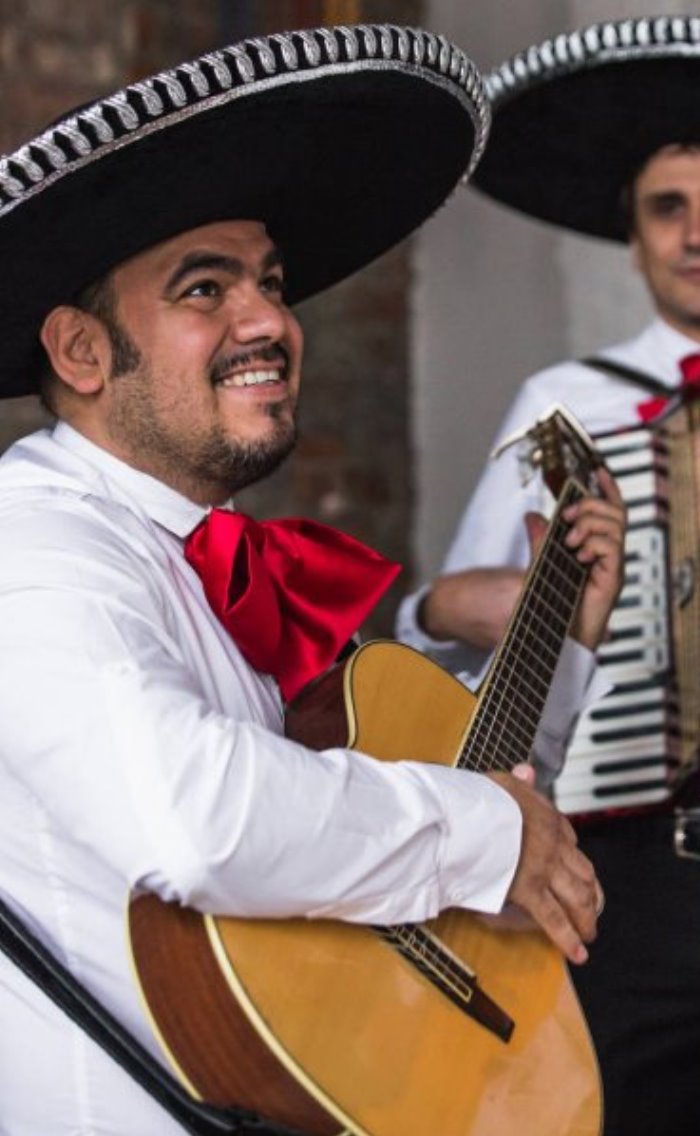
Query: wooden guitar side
323, 1025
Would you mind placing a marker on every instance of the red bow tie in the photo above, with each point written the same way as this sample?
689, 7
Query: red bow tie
689, 388
291, 593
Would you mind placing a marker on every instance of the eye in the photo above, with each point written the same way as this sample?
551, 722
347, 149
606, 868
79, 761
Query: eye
666, 205
208, 289
273, 284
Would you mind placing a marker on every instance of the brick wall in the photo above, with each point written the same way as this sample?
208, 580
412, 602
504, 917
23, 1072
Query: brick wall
352, 465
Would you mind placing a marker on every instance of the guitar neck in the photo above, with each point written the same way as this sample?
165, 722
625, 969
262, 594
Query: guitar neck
513, 694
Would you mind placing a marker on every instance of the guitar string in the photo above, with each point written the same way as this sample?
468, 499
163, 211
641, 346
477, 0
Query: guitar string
496, 710
572, 573
500, 722
534, 624
453, 973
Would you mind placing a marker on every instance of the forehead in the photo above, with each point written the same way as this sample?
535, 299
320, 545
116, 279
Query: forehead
243, 241
673, 166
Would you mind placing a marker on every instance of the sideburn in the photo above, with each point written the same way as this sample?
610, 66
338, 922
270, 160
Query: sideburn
99, 299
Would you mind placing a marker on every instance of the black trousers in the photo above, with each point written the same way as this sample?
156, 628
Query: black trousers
640, 990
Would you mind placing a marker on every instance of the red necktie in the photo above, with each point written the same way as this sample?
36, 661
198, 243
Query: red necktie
291, 593
689, 387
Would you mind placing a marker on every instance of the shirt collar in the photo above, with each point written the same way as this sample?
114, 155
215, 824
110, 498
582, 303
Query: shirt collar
669, 347
162, 504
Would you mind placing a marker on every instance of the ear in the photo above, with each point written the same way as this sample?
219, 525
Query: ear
78, 348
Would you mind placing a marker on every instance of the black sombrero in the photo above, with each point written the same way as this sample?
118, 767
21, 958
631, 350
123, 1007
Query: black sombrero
342, 140
576, 116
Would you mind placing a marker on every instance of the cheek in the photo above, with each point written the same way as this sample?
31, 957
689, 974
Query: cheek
183, 339
657, 255
295, 342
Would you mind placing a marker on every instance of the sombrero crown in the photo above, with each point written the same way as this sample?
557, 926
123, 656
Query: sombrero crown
578, 115
342, 140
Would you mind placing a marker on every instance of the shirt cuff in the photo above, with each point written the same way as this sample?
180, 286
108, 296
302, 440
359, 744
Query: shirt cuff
454, 655
482, 833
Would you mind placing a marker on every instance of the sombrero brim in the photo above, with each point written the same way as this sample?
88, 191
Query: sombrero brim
341, 140
576, 117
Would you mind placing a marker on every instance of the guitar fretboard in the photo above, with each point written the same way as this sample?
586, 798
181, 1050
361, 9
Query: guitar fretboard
502, 730
513, 695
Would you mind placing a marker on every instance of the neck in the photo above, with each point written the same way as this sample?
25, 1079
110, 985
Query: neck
683, 324
203, 492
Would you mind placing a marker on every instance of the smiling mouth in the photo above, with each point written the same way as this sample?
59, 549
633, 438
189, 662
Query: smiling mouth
255, 378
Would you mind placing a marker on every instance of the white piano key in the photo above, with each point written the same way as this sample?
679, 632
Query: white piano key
585, 802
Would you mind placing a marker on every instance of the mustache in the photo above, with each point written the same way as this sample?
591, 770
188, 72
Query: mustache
272, 353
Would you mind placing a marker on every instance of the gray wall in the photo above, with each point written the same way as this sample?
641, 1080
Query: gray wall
496, 294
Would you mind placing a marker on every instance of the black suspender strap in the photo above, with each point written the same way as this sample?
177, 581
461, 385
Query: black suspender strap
629, 374
32, 957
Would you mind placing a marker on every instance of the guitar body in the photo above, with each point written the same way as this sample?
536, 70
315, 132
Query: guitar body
325, 1026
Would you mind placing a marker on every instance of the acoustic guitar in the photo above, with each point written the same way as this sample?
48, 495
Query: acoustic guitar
448, 1028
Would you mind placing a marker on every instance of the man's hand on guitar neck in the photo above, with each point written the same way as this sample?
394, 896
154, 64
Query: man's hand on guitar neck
554, 884
598, 535
475, 604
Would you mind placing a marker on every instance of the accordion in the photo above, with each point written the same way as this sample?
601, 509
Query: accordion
638, 746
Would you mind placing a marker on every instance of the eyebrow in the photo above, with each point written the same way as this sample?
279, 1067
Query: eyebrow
202, 259
660, 194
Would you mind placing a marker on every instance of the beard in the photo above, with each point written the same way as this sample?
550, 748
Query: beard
159, 439
236, 465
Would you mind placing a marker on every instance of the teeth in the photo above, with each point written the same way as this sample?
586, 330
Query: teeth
250, 379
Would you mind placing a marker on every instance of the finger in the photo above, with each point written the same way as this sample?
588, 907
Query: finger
597, 546
609, 498
608, 486
569, 914
600, 900
576, 862
587, 521
554, 920
575, 886
536, 528
524, 772
594, 512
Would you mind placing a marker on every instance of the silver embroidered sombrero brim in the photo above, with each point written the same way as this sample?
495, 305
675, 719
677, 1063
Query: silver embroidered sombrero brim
576, 116
342, 140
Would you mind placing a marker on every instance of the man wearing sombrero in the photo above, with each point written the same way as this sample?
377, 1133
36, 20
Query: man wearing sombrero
598, 131
150, 245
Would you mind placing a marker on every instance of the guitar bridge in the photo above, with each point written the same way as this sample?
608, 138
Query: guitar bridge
449, 974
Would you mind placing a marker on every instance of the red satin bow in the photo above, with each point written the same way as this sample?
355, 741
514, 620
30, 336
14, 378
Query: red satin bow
689, 387
291, 593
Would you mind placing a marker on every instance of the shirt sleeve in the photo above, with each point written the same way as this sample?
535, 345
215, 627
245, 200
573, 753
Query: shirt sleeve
491, 533
106, 725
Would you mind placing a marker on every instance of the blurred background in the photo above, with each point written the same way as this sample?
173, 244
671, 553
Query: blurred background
410, 364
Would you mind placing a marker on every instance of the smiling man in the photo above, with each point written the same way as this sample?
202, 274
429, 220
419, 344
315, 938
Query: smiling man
141, 706
208, 406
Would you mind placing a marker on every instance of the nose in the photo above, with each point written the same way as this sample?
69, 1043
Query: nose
256, 316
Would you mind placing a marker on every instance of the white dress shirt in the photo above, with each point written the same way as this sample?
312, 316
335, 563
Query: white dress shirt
139, 750
491, 531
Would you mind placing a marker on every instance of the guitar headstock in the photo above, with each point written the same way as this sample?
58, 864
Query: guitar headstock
558, 446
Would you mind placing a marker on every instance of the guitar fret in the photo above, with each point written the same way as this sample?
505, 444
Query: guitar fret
522, 701
540, 655
504, 726
506, 746
502, 738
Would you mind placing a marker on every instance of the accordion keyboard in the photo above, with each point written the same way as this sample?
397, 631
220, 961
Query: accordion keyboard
625, 750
